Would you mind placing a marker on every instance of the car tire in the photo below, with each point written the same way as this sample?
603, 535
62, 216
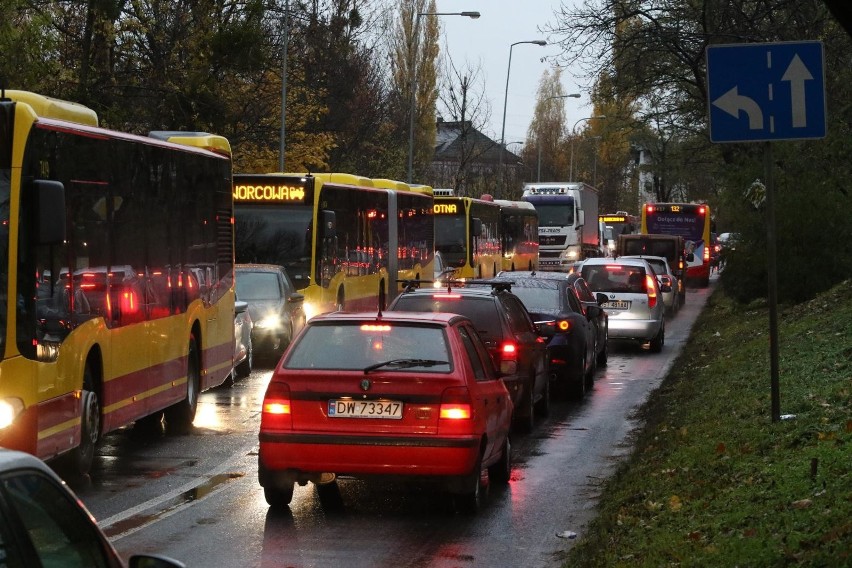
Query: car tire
501, 471
603, 355
471, 501
180, 415
329, 495
577, 383
525, 419
244, 369
659, 340
543, 405
279, 497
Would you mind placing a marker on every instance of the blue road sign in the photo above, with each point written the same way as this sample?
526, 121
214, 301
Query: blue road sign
766, 91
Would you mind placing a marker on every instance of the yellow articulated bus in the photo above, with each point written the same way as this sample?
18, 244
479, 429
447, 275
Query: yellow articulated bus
467, 235
117, 276
346, 241
518, 235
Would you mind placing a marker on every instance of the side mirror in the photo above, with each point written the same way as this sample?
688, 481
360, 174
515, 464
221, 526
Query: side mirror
329, 224
690, 257
593, 311
508, 368
546, 328
240, 306
601, 298
296, 297
665, 287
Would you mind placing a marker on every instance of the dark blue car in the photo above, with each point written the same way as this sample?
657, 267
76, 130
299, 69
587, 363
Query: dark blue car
572, 350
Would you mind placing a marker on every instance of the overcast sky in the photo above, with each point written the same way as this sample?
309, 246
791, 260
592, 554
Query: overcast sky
486, 42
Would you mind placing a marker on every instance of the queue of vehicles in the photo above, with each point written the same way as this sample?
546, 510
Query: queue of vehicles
429, 389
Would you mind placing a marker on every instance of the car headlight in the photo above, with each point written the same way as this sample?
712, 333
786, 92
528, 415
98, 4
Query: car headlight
269, 322
9, 410
570, 254
309, 309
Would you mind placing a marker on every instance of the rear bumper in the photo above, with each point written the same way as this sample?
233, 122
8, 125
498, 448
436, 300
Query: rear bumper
626, 329
299, 456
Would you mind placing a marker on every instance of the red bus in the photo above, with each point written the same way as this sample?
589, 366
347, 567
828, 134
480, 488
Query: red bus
690, 221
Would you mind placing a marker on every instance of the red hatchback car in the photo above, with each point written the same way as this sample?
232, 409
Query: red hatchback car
411, 396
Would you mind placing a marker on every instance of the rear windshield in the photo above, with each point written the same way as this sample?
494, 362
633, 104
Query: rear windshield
482, 311
615, 278
358, 345
538, 295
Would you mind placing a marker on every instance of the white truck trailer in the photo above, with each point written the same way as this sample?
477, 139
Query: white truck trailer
567, 222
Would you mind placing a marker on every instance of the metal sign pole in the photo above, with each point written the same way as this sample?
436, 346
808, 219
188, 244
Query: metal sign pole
773, 283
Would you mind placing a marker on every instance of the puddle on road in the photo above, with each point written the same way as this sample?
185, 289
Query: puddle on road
199, 492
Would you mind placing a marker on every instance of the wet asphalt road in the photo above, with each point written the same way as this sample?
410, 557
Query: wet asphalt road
196, 498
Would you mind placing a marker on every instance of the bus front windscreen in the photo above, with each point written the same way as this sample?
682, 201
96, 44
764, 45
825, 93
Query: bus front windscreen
687, 224
451, 239
275, 235
559, 214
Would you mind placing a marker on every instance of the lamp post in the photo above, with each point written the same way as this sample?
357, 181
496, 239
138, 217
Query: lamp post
573, 135
595, 162
539, 42
538, 142
284, 85
415, 33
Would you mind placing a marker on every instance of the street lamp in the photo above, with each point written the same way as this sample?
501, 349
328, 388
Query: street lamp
505, 101
573, 135
413, 77
284, 85
538, 142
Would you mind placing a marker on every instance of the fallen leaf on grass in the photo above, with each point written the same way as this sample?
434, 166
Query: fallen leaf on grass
720, 448
675, 503
750, 532
802, 504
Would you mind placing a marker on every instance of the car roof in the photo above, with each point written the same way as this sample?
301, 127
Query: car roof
252, 267
439, 318
542, 275
483, 288
11, 460
646, 257
620, 260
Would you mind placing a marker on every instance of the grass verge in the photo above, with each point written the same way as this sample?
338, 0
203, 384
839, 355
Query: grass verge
712, 481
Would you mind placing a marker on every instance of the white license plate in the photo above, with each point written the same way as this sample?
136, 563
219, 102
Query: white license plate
344, 408
617, 305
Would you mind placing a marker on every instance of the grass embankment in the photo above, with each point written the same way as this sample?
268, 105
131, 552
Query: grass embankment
712, 480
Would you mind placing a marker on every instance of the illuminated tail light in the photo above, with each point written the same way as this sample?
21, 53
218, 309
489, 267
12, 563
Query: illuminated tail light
276, 409
563, 325
706, 253
509, 351
129, 304
456, 404
652, 291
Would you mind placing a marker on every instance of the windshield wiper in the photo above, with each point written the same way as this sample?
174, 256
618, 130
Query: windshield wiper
405, 364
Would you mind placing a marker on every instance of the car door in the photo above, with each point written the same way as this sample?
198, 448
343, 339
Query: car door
596, 315
531, 346
491, 398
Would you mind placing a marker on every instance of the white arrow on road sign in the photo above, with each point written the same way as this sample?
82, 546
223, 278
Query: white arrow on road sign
797, 73
732, 103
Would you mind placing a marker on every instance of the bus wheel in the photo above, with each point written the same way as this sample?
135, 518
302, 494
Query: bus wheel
79, 460
179, 416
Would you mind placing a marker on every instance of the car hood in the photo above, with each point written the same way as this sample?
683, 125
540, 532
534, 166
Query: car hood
260, 308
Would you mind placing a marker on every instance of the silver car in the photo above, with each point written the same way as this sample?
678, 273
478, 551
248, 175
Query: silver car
634, 300
669, 284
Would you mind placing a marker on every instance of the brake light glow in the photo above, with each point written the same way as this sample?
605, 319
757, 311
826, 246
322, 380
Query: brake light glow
652, 291
456, 404
276, 411
509, 350
446, 296
701, 210
375, 327
649, 208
